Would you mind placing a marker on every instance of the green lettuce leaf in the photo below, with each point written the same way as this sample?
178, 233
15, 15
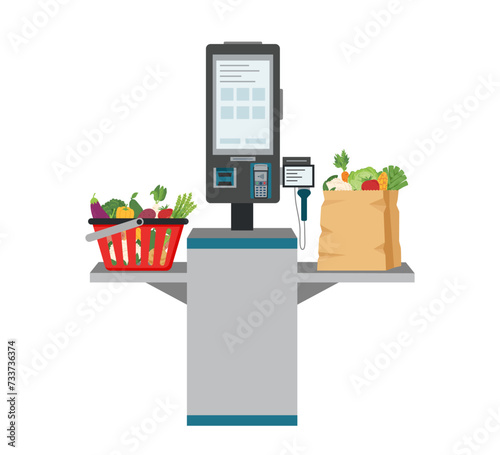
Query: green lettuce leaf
357, 178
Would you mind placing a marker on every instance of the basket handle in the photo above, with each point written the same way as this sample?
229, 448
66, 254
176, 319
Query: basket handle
114, 229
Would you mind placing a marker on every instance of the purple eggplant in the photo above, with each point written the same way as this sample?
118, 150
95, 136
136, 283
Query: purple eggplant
147, 213
96, 209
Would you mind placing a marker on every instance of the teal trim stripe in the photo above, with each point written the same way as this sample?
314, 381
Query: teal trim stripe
242, 243
242, 420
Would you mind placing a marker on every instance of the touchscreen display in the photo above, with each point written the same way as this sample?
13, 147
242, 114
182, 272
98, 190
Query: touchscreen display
242, 103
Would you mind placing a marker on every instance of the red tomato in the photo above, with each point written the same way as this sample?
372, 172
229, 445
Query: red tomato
165, 213
370, 185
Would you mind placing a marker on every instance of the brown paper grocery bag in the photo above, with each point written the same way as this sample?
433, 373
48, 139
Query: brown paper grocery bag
360, 231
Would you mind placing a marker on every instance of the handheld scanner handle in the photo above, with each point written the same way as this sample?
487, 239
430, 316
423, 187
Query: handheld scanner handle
304, 194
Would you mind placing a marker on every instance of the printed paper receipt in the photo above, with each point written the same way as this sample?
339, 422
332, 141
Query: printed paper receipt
243, 104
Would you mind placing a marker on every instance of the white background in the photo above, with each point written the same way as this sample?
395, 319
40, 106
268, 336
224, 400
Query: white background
377, 104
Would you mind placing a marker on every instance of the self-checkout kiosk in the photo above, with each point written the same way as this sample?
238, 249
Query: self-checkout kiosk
242, 339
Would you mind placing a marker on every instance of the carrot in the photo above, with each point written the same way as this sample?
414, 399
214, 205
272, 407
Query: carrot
341, 161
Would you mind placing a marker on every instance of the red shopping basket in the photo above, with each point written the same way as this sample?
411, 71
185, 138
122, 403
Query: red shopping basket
137, 244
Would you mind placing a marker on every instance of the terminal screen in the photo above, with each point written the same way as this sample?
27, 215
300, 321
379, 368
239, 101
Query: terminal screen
242, 104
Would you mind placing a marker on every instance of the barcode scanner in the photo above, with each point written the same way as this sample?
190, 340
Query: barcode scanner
304, 194
298, 173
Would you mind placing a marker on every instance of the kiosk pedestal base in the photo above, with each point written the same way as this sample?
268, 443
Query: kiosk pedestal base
242, 327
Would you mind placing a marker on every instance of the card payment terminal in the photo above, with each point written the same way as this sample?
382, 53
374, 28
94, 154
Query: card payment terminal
260, 180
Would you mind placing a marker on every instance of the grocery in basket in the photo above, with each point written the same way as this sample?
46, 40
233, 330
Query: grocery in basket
133, 238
